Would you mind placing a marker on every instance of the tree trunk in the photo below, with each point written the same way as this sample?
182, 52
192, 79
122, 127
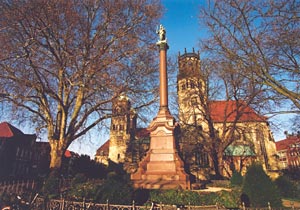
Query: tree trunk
56, 154
215, 158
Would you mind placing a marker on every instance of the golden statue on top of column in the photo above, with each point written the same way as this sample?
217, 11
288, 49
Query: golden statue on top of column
161, 31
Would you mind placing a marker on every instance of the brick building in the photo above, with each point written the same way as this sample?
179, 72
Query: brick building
288, 151
16, 152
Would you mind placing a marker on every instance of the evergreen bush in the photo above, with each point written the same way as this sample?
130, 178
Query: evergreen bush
50, 188
286, 187
117, 189
186, 197
236, 179
175, 197
259, 188
78, 179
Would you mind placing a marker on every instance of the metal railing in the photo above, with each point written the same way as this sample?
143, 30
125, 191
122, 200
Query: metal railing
54, 204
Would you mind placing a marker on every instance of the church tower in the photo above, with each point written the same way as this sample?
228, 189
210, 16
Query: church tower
123, 124
192, 91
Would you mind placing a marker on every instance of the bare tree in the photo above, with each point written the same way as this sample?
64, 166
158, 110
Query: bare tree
63, 62
261, 39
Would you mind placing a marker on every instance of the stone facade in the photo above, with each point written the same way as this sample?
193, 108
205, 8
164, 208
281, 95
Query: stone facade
127, 144
252, 130
122, 128
195, 110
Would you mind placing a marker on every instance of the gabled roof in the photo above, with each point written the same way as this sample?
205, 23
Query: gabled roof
69, 154
285, 143
228, 111
7, 130
142, 133
104, 148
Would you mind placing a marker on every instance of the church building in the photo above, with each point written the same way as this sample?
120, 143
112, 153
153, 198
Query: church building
251, 138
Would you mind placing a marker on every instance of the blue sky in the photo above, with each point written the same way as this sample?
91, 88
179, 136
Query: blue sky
181, 21
183, 30
182, 24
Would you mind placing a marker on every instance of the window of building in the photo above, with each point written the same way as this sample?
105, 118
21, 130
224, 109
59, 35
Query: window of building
201, 159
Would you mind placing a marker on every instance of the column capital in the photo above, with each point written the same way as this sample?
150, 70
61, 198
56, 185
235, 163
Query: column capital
163, 45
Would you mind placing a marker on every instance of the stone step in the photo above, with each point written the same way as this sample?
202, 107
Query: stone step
167, 177
160, 184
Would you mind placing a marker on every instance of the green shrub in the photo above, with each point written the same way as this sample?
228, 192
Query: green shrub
6, 199
286, 187
117, 189
79, 179
185, 197
236, 179
174, 197
86, 190
259, 188
51, 187
229, 199
141, 196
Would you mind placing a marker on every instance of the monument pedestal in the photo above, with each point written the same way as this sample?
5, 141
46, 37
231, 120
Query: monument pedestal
162, 168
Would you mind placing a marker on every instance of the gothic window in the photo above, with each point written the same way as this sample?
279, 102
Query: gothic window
183, 87
201, 159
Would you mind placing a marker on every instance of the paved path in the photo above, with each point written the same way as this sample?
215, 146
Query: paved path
214, 189
288, 203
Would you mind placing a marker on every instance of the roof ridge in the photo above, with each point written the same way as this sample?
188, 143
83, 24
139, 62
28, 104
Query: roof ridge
7, 130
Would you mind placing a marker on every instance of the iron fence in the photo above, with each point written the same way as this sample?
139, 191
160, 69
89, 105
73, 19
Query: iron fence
55, 204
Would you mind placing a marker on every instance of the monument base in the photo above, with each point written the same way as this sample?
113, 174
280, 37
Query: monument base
162, 168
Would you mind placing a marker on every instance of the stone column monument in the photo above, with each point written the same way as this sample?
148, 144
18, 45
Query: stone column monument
162, 168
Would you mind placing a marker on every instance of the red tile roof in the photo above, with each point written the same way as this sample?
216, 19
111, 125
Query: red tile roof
142, 133
103, 148
227, 111
68, 154
7, 130
285, 143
